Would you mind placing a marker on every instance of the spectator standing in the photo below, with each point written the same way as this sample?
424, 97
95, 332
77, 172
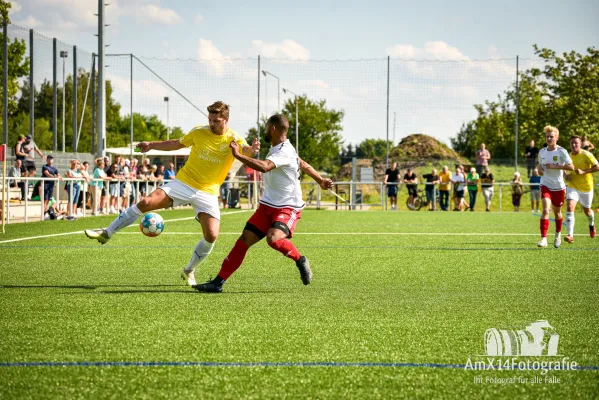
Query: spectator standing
411, 181
114, 187
392, 180
170, 172
432, 180
472, 180
516, 191
482, 158
444, 187
531, 153
105, 188
458, 181
252, 176
96, 187
224, 190
535, 191
586, 144
18, 171
28, 149
486, 183
19, 154
49, 171
73, 189
84, 196
133, 171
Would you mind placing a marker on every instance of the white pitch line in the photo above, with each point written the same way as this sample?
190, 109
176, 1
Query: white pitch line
365, 233
79, 232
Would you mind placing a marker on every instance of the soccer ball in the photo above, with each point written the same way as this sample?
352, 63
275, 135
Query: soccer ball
151, 224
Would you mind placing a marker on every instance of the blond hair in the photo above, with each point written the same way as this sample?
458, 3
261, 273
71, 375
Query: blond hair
219, 108
549, 129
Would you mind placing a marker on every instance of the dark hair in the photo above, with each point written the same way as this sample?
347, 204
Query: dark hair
575, 137
219, 108
280, 122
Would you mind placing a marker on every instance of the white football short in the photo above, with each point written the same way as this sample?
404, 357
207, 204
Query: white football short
182, 194
584, 198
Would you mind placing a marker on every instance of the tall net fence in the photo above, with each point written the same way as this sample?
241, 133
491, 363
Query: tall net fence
155, 99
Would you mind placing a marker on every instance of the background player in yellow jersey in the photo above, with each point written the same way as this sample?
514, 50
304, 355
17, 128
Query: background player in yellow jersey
197, 183
580, 186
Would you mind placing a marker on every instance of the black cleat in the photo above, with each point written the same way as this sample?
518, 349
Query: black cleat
208, 287
304, 267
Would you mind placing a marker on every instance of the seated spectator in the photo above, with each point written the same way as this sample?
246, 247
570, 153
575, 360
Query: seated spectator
18, 171
535, 191
159, 173
432, 179
516, 191
472, 180
486, 183
411, 181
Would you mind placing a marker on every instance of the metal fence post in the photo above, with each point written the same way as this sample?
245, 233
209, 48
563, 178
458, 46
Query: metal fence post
75, 99
5, 84
54, 98
517, 114
94, 101
31, 88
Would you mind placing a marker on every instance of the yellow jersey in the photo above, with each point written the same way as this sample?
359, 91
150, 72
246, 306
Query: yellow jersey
445, 181
583, 160
210, 158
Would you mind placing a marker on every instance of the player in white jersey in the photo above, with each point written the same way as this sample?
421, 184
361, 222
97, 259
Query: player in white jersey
553, 161
280, 207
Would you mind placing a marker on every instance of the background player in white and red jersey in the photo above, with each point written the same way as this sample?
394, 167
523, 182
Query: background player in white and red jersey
580, 187
553, 161
280, 207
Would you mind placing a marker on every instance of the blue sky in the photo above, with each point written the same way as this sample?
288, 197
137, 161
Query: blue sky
461, 31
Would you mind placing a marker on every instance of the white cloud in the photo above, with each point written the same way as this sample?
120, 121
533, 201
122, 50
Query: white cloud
16, 7
198, 19
30, 22
207, 51
493, 52
288, 49
151, 13
77, 11
436, 50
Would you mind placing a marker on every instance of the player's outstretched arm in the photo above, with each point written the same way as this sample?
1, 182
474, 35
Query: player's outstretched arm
311, 172
252, 150
258, 165
165, 145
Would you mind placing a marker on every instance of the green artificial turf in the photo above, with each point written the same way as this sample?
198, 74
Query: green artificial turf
403, 297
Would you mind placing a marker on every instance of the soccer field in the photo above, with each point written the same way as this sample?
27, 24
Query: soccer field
398, 307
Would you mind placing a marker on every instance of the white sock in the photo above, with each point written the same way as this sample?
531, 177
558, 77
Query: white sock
570, 223
202, 250
591, 218
126, 218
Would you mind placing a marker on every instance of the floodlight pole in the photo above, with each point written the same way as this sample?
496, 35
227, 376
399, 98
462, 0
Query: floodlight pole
168, 125
278, 90
63, 54
296, 120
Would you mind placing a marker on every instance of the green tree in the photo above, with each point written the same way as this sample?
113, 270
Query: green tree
319, 132
18, 67
373, 148
565, 93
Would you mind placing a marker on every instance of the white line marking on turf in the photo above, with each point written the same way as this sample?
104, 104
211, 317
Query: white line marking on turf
364, 233
134, 225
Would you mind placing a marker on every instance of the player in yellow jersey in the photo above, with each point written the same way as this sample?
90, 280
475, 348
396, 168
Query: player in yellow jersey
580, 186
197, 183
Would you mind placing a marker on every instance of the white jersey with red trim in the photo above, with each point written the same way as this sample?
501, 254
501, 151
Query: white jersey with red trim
553, 179
282, 184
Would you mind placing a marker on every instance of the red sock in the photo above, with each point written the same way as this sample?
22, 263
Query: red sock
558, 224
233, 260
544, 227
286, 248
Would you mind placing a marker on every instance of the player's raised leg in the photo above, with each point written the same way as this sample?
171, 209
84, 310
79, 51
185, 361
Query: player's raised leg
210, 229
277, 239
157, 200
249, 237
